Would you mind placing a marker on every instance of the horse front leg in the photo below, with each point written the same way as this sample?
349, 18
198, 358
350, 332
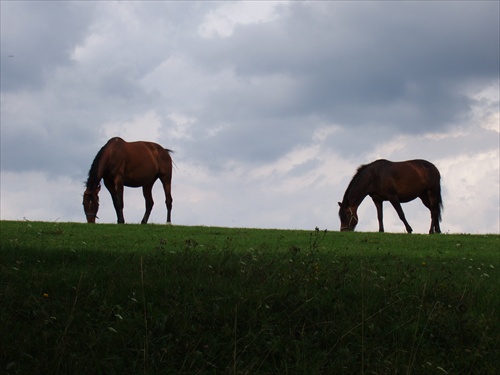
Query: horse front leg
397, 206
117, 197
380, 214
148, 197
119, 205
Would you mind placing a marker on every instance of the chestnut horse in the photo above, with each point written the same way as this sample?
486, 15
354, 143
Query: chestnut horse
396, 182
133, 164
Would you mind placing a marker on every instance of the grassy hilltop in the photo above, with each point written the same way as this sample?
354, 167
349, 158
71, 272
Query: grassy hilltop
132, 299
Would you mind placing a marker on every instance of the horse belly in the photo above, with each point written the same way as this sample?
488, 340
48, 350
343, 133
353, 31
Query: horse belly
141, 167
407, 191
139, 175
138, 180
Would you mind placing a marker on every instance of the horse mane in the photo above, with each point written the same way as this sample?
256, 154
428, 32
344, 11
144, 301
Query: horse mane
359, 173
354, 178
94, 180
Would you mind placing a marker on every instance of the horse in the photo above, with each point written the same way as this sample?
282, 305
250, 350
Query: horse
396, 182
131, 164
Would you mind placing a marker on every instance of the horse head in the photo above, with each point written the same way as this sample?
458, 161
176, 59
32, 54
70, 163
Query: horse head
348, 217
91, 204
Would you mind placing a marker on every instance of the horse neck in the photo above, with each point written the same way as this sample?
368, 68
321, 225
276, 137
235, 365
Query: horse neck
93, 183
96, 171
354, 200
357, 190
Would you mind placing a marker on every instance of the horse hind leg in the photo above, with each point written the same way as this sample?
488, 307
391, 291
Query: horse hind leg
167, 187
436, 223
148, 198
380, 214
397, 206
168, 202
169, 210
437, 206
433, 206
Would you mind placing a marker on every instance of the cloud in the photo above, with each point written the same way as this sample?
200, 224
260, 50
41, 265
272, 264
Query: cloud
35, 196
38, 37
222, 21
145, 127
365, 65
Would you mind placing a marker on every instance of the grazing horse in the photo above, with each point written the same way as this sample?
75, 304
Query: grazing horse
131, 164
396, 182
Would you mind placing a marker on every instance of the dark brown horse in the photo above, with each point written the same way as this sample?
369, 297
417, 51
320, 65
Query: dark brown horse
133, 164
396, 182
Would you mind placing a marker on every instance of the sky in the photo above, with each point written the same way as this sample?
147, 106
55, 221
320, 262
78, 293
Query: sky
269, 106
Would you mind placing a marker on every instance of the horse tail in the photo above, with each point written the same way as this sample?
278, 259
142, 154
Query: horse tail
440, 201
438, 192
434, 182
169, 151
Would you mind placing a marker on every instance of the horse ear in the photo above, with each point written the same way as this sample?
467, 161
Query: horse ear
340, 204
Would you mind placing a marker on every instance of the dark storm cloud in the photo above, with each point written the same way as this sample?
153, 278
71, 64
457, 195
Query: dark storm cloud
404, 65
378, 66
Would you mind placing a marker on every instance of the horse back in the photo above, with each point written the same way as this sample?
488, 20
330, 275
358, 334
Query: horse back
417, 169
407, 179
137, 162
427, 171
150, 154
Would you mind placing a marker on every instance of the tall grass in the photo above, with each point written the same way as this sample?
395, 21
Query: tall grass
109, 299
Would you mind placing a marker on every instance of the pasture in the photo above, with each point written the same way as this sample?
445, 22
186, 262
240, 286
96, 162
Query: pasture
131, 299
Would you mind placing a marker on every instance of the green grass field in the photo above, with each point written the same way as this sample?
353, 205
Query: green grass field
131, 299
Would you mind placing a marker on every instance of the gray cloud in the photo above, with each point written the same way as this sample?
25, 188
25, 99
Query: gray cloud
370, 64
37, 37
